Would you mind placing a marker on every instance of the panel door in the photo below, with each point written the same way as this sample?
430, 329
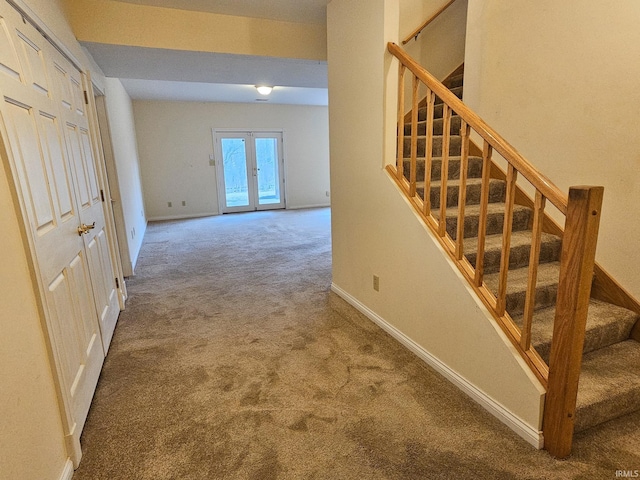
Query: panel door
89, 198
42, 131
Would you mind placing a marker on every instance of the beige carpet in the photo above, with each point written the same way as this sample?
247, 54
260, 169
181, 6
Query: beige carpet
231, 361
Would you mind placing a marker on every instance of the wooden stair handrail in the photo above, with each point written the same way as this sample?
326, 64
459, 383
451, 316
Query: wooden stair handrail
499, 144
578, 271
424, 25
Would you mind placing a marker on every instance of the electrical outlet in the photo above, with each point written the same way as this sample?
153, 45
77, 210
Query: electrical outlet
376, 283
327, 193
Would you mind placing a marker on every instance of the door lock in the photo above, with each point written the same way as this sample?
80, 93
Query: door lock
83, 229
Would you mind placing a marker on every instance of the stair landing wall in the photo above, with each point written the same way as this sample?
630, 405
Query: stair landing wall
559, 85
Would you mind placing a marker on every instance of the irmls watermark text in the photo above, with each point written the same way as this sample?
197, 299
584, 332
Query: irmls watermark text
627, 473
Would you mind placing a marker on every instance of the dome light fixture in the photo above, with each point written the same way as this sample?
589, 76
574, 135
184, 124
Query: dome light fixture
264, 89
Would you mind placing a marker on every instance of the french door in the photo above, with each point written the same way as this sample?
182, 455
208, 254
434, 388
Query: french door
250, 170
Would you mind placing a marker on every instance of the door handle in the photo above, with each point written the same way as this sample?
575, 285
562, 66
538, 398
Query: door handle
82, 229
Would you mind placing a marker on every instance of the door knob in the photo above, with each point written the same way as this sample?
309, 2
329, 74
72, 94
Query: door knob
82, 229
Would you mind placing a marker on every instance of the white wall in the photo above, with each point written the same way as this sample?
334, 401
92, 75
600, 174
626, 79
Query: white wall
144, 25
440, 47
31, 435
125, 152
175, 141
559, 80
421, 295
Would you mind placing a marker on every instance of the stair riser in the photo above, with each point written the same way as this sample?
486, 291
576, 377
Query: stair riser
496, 194
597, 335
456, 81
518, 256
454, 146
546, 296
615, 406
437, 112
474, 169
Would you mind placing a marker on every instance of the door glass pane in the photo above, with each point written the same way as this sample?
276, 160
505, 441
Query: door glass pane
268, 175
234, 159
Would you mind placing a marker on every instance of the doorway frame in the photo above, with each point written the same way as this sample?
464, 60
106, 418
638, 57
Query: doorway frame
217, 159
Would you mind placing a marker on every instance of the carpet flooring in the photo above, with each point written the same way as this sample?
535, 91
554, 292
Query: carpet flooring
233, 360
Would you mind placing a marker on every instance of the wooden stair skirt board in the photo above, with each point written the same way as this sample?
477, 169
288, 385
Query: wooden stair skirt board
609, 385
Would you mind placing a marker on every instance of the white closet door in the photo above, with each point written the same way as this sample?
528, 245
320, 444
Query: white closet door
45, 135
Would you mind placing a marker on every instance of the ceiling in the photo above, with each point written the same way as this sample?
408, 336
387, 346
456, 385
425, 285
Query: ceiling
159, 74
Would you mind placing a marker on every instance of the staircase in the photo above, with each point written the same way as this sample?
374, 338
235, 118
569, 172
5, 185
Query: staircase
609, 385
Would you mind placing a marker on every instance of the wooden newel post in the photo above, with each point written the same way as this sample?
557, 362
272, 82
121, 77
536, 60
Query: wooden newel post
574, 289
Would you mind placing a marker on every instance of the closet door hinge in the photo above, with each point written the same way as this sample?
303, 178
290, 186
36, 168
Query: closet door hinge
117, 283
86, 98
102, 195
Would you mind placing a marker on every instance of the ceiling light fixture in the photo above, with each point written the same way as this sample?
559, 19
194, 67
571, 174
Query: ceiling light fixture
263, 89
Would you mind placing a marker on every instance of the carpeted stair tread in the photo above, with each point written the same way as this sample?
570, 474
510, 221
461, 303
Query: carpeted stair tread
609, 384
455, 144
546, 288
606, 324
456, 122
550, 248
497, 190
495, 220
474, 169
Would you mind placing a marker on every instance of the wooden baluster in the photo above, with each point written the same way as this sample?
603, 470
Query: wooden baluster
574, 288
414, 137
400, 153
501, 299
428, 152
484, 206
465, 130
446, 134
534, 258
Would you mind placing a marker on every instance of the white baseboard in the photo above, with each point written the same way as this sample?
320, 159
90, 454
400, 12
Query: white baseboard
300, 207
181, 217
67, 471
531, 435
